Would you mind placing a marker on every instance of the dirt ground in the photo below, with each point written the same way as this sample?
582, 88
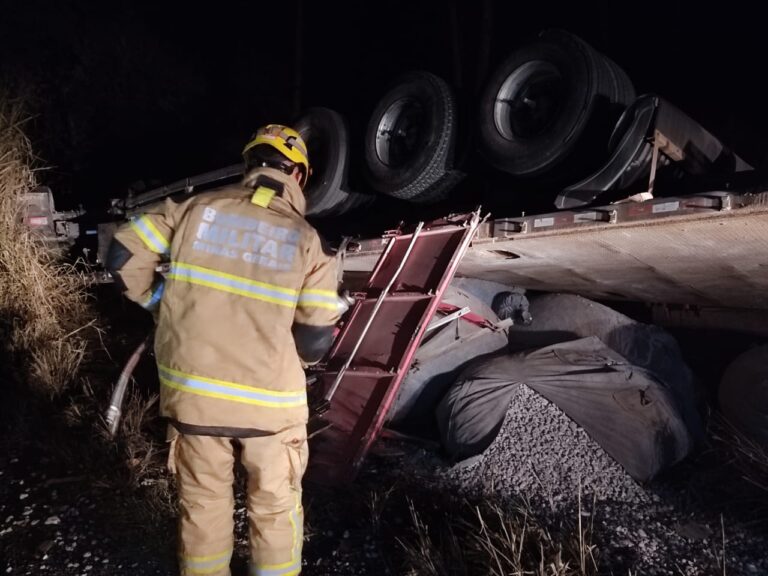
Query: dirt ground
67, 509
61, 518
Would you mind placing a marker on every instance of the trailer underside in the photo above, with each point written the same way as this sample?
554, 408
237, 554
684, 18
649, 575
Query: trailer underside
707, 250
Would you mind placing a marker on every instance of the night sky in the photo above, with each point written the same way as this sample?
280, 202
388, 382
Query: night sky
132, 90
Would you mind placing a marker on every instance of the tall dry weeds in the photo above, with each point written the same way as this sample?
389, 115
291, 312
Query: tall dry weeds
42, 300
748, 456
450, 537
51, 346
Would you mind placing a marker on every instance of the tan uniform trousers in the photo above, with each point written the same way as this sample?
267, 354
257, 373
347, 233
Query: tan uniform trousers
204, 468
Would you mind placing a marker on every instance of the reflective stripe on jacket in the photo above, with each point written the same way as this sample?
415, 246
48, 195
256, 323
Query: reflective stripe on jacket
244, 267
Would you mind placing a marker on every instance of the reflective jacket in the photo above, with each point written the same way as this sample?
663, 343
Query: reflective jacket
245, 270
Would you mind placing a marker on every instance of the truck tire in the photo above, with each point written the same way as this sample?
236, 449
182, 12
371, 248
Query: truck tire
410, 137
440, 189
623, 91
355, 201
546, 98
326, 135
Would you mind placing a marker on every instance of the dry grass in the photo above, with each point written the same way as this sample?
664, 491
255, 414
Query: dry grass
485, 539
744, 453
52, 346
144, 457
43, 307
133, 463
427, 532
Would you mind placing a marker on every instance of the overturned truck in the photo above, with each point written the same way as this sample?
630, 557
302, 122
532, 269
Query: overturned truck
650, 208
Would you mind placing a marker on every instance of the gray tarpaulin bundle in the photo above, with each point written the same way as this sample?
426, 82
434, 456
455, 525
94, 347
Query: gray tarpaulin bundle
564, 317
441, 357
623, 407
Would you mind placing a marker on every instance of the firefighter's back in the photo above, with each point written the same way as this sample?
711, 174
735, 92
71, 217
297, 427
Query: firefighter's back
238, 267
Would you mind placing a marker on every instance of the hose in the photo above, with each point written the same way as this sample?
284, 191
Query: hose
118, 394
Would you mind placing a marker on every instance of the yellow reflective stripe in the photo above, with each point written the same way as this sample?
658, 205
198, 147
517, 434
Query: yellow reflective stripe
214, 567
276, 288
293, 566
211, 570
233, 398
325, 305
263, 196
207, 564
216, 556
239, 285
156, 232
290, 571
217, 286
327, 293
317, 298
150, 235
144, 238
246, 387
223, 390
287, 569
293, 518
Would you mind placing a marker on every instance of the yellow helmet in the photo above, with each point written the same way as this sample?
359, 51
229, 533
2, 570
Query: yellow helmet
285, 140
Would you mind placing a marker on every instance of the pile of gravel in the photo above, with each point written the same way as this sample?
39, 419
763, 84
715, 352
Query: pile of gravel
541, 456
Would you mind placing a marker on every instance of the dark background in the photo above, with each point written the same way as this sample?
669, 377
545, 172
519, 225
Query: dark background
135, 90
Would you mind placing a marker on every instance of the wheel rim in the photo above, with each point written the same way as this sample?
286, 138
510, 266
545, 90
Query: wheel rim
400, 133
529, 100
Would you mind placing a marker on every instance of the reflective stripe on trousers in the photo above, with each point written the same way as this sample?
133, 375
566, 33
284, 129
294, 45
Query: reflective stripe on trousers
204, 468
293, 567
206, 564
275, 466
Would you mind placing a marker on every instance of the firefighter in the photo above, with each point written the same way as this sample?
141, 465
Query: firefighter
249, 298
